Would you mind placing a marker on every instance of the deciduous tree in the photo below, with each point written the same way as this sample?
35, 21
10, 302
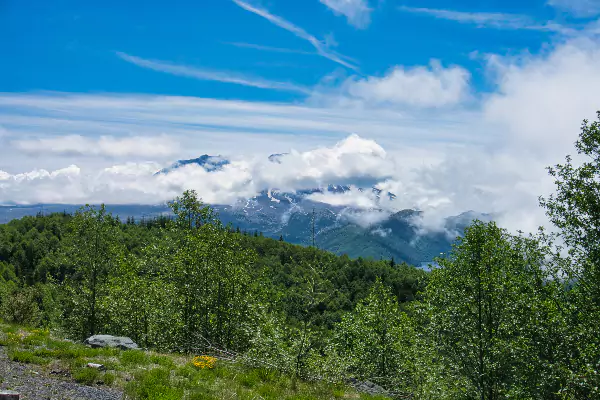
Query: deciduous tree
93, 250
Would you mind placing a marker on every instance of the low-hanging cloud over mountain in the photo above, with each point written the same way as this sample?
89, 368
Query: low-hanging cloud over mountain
450, 187
352, 159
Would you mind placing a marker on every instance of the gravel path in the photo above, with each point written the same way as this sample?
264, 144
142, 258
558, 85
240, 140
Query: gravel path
30, 382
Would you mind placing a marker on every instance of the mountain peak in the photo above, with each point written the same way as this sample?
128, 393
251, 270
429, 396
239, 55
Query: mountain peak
209, 163
276, 158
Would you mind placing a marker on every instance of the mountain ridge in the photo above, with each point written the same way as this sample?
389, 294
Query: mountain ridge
356, 231
397, 236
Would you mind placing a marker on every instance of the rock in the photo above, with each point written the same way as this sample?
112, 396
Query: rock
99, 367
9, 395
121, 342
368, 387
60, 372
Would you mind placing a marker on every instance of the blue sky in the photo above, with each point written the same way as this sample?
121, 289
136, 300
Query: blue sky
452, 106
73, 45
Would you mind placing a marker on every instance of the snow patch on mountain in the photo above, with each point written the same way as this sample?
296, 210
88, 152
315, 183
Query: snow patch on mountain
209, 163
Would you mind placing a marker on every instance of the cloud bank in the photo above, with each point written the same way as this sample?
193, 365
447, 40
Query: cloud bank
351, 159
486, 154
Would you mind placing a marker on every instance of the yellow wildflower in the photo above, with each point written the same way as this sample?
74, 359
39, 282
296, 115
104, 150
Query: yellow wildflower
203, 362
15, 337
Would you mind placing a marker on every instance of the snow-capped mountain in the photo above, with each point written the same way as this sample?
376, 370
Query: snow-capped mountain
356, 231
209, 163
371, 232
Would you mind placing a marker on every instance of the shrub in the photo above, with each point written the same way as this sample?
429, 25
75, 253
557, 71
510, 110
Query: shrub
154, 384
20, 307
108, 378
87, 376
163, 361
43, 352
28, 357
134, 357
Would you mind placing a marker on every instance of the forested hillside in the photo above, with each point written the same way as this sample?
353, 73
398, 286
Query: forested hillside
504, 316
397, 236
31, 250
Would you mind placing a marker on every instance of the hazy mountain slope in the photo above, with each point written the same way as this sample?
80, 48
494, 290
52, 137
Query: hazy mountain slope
396, 236
275, 213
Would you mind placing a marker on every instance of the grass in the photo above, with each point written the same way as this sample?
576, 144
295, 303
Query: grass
27, 357
155, 376
87, 376
134, 357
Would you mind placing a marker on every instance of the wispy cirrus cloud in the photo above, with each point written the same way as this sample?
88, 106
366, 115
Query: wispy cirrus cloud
357, 12
488, 20
270, 48
209, 75
321, 47
109, 146
491, 158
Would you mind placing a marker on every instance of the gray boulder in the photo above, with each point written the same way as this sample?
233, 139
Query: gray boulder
121, 342
368, 387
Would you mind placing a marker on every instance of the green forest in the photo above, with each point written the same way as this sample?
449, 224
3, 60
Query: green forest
503, 316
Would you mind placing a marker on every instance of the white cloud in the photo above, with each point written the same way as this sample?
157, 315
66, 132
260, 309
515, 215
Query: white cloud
320, 46
419, 86
269, 48
207, 75
349, 160
381, 232
489, 158
225, 127
579, 8
41, 186
366, 217
487, 20
357, 12
110, 146
136, 182
541, 101
353, 198
530, 121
